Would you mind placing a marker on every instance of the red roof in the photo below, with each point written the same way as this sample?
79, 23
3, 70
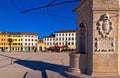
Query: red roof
49, 37
65, 31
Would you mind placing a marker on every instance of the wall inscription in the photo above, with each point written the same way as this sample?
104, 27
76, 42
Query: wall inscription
104, 44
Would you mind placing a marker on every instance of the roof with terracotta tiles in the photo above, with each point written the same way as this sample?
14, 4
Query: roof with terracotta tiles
65, 31
18, 33
51, 36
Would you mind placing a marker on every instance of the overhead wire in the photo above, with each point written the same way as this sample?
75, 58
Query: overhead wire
15, 5
46, 6
50, 4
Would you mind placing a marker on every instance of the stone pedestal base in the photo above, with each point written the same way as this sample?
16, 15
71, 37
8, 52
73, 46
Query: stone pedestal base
74, 63
105, 65
74, 70
104, 74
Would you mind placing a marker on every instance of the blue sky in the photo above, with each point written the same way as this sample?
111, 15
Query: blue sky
11, 20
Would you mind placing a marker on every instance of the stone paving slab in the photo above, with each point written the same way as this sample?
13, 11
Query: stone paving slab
16, 64
71, 75
52, 74
33, 74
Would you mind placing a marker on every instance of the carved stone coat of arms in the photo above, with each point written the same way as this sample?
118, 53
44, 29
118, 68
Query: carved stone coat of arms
104, 26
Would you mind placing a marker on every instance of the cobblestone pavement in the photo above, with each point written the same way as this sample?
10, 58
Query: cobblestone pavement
16, 64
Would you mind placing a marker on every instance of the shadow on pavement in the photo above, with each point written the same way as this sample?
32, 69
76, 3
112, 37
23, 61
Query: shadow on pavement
42, 66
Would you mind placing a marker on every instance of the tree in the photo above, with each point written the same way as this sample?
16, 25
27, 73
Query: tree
10, 42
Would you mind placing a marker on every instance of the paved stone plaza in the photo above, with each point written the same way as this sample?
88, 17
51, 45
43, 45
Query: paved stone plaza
26, 65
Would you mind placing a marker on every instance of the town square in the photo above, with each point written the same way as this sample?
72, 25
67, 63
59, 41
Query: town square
69, 39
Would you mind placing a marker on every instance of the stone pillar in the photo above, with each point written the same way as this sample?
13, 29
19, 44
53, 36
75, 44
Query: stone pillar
100, 21
74, 63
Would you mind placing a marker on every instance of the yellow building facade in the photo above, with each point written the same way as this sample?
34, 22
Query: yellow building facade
19, 41
40, 45
4, 46
16, 44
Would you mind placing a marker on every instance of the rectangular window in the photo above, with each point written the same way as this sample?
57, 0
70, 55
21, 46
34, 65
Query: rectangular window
14, 43
59, 34
56, 38
69, 38
72, 43
63, 43
72, 38
1, 39
68, 43
25, 39
60, 39
25, 43
15, 39
63, 34
72, 34
28, 43
19, 39
32, 40
32, 43
28, 39
69, 34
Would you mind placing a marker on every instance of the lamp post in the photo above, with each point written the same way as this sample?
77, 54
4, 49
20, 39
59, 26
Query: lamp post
3, 46
66, 45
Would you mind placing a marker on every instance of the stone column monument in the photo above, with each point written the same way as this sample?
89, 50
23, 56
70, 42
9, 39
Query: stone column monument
98, 36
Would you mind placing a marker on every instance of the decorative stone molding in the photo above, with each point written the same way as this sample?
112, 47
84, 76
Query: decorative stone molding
105, 2
105, 57
104, 26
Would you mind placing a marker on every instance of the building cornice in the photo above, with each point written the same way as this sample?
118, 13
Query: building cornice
82, 2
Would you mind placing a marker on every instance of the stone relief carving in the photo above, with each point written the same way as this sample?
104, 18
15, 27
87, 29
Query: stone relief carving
96, 44
104, 26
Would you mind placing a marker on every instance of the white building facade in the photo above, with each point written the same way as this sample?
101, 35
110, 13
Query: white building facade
49, 41
29, 41
62, 39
